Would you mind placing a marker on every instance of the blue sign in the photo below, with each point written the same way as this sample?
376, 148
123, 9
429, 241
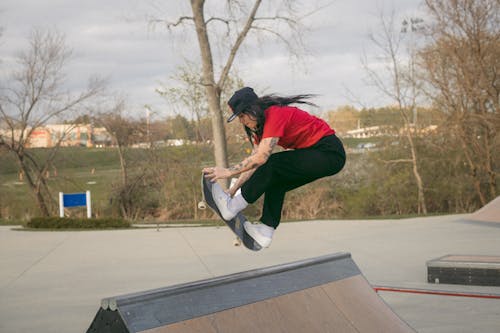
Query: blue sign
75, 199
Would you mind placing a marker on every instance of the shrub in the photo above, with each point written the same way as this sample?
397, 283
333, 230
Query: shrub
77, 223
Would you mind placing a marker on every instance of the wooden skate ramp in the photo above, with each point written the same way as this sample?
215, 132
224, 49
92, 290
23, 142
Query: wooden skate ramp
324, 294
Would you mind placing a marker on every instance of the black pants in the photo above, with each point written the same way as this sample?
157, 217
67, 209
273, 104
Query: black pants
287, 170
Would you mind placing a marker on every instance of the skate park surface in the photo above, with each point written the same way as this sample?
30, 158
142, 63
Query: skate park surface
54, 281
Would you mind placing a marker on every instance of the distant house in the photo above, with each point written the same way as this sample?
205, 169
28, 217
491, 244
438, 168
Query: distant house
100, 137
377, 131
69, 135
368, 132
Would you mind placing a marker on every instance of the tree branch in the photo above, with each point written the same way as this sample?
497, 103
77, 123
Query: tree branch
237, 44
170, 25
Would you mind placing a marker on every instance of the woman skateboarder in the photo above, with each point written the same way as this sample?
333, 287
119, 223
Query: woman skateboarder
312, 151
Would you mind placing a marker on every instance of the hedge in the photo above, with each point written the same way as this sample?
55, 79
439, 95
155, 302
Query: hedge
77, 223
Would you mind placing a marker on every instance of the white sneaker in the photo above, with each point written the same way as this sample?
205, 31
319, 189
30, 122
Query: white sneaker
262, 233
221, 199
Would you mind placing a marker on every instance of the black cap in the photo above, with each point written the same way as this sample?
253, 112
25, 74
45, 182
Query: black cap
240, 101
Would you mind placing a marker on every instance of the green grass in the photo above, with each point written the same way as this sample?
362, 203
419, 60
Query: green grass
98, 170
82, 169
17, 197
78, 170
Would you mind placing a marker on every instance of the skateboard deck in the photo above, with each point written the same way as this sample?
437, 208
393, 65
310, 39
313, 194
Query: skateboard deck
235, 224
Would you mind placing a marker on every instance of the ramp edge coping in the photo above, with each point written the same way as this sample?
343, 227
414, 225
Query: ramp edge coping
112, 303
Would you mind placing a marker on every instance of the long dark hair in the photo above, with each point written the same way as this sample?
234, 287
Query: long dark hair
264, 102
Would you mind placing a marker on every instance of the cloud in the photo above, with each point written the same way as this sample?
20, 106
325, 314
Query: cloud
112, 38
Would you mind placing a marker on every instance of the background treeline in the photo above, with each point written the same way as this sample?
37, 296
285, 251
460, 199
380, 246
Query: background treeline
441, 158
163, 182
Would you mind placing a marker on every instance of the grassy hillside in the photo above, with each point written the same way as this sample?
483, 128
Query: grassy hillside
164, 184
74, 170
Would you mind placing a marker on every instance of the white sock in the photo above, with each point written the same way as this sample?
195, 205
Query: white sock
266, 230
237, 203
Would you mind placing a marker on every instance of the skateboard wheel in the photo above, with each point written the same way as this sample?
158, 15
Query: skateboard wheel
202, 205
237, 242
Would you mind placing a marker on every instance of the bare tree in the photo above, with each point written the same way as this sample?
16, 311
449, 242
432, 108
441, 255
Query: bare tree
121, 130
461, 66
397, 81
33, 96
188, 95
133, 192
239, 20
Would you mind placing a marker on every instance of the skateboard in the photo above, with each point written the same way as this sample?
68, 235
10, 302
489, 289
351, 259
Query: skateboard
235, 224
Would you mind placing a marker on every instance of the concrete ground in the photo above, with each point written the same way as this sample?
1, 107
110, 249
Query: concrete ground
54, 281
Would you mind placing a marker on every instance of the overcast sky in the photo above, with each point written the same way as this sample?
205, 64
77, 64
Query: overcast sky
112, 38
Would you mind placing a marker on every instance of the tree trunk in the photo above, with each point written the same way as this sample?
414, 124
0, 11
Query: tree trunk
123, 166
422, 207
473, 169
40, 200
212, 90
492, 182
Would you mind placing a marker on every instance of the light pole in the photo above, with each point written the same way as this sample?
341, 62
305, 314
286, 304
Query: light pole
411, 26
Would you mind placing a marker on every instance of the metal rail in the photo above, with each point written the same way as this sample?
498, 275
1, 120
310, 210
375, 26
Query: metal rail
436, 292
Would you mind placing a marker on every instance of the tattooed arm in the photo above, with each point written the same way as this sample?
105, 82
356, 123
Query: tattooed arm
241, 180
259, 156
244, 176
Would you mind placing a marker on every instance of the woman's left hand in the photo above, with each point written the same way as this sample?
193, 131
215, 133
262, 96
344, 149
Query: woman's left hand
215, 173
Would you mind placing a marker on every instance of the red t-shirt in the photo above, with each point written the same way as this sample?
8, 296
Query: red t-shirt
294, 127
